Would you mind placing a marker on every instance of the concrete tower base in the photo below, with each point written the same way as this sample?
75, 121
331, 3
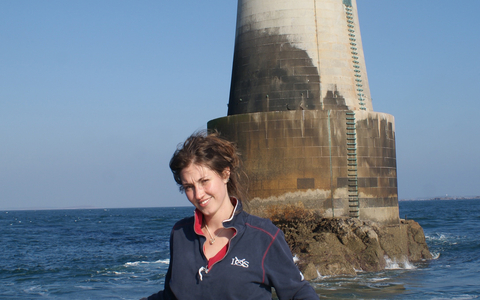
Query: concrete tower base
338, 162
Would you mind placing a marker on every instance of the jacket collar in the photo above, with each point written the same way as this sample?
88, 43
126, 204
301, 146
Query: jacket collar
236, 221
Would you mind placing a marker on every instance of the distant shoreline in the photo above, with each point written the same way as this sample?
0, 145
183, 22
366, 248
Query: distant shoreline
83, 208
443, 198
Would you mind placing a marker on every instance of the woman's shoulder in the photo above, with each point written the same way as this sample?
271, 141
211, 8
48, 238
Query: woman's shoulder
262, 224
188, 221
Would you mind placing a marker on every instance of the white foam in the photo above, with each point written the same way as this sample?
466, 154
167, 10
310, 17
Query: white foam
461, 297
319, 276
295, 259
119, 273
137, 263
437, 237
84, 287
36, 290
396, 265
379, 279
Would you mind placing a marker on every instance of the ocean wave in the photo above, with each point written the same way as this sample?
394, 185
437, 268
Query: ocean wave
460, 297
36, 290
84, 287
446, 240
119, 273
320, 276
440, 237
358, 270
378, 279
437, 238
395, 265
137, 263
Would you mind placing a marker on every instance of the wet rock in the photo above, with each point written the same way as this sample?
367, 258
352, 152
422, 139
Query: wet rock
344, 246
417, 249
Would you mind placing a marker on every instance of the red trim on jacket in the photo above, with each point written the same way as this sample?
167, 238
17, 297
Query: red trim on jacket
198, 230
268, 248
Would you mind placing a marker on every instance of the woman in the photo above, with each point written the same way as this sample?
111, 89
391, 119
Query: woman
223, 252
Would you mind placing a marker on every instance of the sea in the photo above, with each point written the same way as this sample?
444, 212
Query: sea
124, 254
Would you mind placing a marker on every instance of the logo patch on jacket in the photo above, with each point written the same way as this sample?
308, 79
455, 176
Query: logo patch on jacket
240, 262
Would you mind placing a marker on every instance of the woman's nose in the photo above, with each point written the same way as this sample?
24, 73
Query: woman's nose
199, 192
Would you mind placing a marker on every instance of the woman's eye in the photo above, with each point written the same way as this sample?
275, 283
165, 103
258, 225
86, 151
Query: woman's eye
204, 181
187, 188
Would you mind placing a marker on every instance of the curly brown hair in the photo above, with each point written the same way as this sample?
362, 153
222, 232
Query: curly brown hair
210, 150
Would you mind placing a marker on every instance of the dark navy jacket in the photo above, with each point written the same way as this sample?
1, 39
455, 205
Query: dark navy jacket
257, 259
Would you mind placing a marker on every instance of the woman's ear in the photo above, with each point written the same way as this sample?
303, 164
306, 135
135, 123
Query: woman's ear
226, 174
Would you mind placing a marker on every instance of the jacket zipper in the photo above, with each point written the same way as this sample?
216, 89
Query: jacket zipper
206, 269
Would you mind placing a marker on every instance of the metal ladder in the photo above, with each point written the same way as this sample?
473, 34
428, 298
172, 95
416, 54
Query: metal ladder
354, 52
352, 165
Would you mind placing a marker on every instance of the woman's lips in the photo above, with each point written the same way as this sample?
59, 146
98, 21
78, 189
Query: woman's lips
203, 203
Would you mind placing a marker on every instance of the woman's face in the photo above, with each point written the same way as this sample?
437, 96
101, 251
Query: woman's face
206, 189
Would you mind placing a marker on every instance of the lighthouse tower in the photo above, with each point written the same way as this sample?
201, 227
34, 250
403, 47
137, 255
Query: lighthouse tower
301, 113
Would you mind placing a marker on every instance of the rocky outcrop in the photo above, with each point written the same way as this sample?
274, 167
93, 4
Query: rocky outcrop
344, 246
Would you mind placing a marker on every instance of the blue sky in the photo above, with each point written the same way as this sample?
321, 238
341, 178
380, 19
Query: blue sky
95, 95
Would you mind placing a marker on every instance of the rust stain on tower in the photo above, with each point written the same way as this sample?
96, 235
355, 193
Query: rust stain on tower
301, 113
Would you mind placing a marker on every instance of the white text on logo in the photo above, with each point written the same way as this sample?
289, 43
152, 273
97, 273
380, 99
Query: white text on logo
240, 262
